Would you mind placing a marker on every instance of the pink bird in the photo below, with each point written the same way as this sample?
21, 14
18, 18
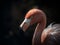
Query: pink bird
35, 16
38, 16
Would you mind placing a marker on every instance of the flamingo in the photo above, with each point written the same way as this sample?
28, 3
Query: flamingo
38, 16
35, 16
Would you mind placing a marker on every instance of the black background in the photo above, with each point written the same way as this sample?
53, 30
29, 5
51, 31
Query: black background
13, 12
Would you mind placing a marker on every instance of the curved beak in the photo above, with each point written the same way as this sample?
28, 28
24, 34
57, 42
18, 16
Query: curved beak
25, 24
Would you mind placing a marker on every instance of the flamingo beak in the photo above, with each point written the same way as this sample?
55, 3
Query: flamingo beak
25, 24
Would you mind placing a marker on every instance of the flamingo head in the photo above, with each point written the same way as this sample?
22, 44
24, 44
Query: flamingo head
33, 16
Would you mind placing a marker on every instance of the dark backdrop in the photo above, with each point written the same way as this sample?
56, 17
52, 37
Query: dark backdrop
13, 12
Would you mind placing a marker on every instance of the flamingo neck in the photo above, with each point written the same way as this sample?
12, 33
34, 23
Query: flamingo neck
38, 31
